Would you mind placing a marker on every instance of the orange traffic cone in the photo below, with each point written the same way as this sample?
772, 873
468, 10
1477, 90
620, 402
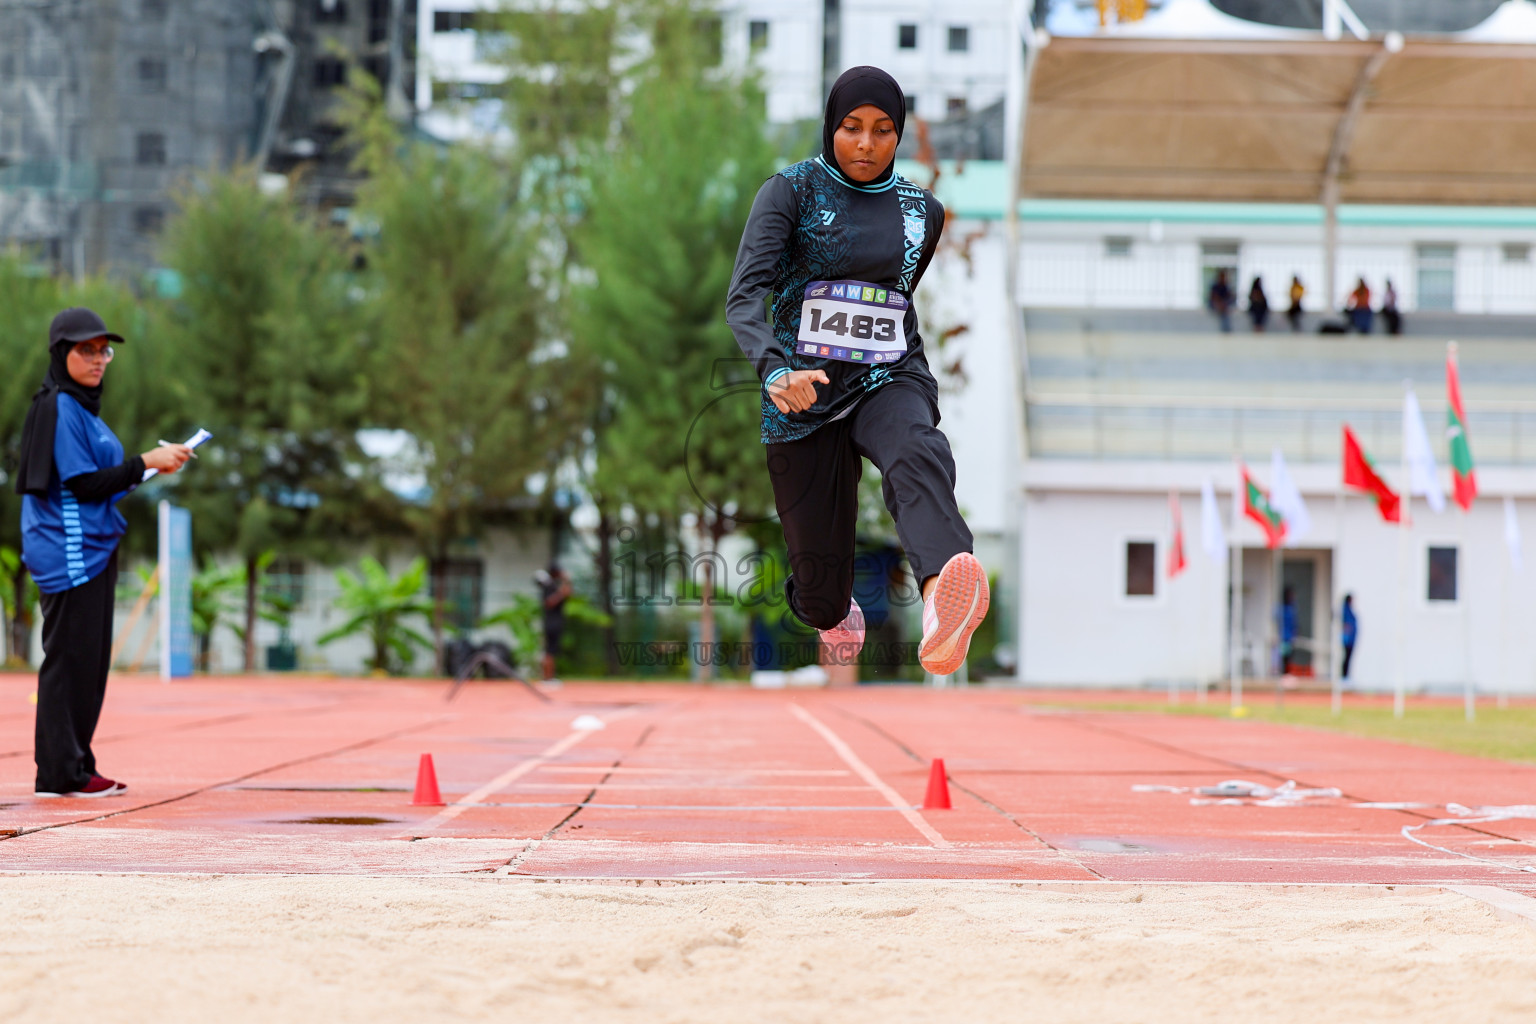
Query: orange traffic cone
426, 785
938, 788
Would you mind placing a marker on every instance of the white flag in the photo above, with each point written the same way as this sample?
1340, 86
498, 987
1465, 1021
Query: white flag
1212, 537
1423, 474
1286, 499
1512, 532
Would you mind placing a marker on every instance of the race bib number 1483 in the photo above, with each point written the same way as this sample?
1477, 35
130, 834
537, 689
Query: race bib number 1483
854, 321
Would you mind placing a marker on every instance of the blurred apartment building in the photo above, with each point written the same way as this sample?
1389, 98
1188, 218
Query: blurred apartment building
103, 106
107, 105
951, 58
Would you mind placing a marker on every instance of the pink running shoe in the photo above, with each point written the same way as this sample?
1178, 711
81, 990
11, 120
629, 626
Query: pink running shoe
951, 614
846, 639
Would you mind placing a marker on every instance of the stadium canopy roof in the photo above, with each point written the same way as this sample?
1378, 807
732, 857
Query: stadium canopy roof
1192, 104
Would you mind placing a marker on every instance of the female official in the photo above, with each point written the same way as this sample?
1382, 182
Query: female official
71, 474
840, 243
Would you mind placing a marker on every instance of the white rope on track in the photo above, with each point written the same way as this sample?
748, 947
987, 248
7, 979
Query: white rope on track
1486, 814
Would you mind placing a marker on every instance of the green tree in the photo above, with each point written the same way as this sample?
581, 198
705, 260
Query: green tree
380, 605
28, 302
666, 208
459, 361
270, 357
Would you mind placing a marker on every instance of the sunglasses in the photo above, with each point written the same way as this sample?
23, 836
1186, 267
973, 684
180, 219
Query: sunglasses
95, 353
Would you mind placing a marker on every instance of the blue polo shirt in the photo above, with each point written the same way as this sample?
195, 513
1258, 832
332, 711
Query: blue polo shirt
66, 542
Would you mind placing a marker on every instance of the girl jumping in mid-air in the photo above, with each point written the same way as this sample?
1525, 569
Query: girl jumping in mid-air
840, 243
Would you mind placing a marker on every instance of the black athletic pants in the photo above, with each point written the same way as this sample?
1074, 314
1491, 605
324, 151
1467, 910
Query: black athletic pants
816, 490
77, 652
1349, 652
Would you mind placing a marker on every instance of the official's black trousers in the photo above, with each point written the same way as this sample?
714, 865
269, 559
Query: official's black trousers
816, 490
77, 652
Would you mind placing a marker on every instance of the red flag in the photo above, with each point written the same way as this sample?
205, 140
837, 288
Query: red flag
1462, 473
1359, 472
1256, 506
1176, 563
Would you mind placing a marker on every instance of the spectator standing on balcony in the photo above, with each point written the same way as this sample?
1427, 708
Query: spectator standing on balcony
1359, 307
1258, 305
1389, 313
1298, 291
1220, 301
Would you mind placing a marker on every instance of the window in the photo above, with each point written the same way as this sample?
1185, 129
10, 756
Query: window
906, 37
1117, 246
757, 35
1215, 257
460, 584
283, 582
330, 72
1436, 267
1517, 252
1442, 574
148, 220
330, 12
1140, 568
149, 150
959, 39
453, 21
378, 21
911, 106
151, 74
954, 107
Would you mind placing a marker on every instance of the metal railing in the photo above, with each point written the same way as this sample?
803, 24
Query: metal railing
1483, 278
1064, 425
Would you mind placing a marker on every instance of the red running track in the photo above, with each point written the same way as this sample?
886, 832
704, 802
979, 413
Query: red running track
313, 776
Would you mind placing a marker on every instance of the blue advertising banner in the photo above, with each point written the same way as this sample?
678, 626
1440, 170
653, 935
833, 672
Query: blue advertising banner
175, 592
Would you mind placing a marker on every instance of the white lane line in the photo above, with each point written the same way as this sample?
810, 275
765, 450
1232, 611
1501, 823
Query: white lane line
867, 773
497, 784
711, 770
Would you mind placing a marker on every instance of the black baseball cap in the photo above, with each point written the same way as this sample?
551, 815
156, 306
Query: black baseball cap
79, 324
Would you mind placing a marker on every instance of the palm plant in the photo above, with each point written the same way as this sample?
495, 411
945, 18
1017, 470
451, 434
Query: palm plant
524, 616
379, 605
18, 594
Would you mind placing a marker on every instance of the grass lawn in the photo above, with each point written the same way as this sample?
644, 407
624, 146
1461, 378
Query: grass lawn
1508, 734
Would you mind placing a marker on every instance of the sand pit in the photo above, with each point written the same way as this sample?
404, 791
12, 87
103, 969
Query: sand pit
254, 948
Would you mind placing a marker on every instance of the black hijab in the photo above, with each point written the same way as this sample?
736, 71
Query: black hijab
854, 88
36, 465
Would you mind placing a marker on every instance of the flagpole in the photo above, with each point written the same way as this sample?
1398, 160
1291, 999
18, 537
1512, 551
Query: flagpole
1235, 601
1464, 592
1334, 578
1276, 611
1504, 631
1404, 519
1175, 536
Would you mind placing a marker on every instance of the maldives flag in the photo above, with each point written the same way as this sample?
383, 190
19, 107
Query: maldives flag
1360, 472
1176, 563
1456, 431
1256, 506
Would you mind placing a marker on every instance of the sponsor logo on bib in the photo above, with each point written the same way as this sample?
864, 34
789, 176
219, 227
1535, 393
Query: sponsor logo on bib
853, 321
